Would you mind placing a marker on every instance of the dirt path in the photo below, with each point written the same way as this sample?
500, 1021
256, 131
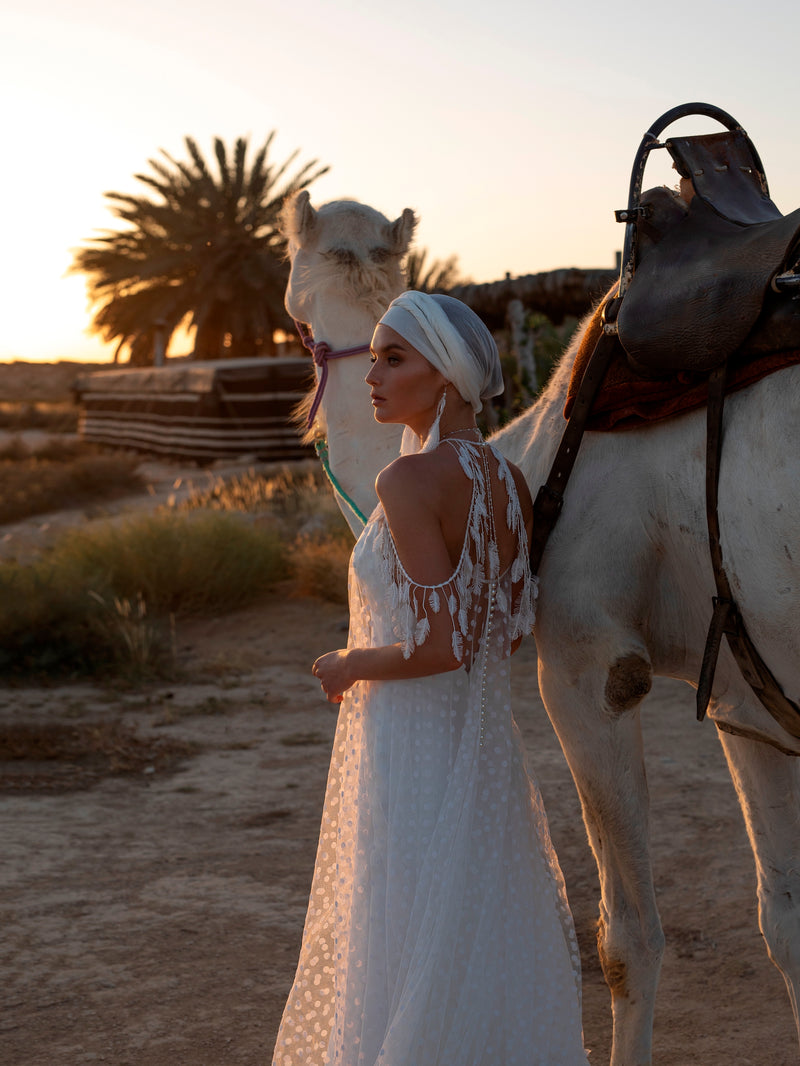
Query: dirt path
152, 895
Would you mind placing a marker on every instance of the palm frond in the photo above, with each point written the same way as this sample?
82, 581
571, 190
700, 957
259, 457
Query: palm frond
195, 248
440, 275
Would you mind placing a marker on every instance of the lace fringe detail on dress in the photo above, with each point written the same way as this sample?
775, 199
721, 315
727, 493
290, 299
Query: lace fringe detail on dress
410, 602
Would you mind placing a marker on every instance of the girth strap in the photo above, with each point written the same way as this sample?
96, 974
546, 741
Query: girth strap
725, 617
723, 601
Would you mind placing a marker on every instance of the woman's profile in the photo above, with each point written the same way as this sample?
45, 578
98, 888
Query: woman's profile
438, 931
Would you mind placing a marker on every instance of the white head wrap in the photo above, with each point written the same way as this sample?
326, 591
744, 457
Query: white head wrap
455, 341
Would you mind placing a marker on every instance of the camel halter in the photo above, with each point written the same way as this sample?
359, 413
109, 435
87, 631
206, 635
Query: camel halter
321, 353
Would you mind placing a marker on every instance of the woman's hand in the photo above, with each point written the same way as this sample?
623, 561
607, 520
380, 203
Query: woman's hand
335, 678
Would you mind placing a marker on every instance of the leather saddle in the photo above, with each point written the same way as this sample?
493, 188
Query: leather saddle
703, 285
700, 282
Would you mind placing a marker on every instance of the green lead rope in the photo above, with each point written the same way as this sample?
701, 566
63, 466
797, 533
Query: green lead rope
321, 448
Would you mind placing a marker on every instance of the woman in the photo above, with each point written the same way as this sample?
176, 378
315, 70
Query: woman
438, 931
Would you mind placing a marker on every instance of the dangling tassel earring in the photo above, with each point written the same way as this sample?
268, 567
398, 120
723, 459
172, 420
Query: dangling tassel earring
432, 440
411, 444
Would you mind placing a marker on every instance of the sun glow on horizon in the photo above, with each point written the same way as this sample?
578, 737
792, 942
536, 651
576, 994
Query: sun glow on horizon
514, 153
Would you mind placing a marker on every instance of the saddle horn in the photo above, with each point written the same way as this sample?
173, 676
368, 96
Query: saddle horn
725, 170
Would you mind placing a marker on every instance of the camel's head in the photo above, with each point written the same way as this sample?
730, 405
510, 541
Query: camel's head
344, 251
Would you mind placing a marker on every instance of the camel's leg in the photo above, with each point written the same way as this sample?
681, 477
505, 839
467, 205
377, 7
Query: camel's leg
599, 729
768, 786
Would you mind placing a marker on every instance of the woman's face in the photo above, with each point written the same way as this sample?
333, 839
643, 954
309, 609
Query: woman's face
404, 387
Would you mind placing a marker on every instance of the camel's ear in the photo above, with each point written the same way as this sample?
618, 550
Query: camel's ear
298, 218
401, 231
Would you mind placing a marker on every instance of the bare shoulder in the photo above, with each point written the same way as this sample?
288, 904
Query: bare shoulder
406, 495
397, 474
415, 480
412, 491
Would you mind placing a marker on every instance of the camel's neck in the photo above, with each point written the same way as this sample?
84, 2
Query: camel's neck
358, 447
531, 440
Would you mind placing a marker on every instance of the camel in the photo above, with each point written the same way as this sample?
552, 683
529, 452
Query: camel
346, 268
625, 594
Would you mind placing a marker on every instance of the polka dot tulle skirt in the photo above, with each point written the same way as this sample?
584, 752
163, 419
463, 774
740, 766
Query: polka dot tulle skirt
438, 931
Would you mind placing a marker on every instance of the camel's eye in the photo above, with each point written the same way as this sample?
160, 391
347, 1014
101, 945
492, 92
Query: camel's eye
342, 256
379, 255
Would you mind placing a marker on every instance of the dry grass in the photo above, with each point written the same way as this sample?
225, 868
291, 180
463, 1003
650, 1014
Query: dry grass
60, 474
319, 567
47, 417
203, 563
295, 497
105, 598
303, 506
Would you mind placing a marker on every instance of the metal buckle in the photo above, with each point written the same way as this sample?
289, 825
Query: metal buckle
632, 214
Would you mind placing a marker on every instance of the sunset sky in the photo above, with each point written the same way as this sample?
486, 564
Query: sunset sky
509, 126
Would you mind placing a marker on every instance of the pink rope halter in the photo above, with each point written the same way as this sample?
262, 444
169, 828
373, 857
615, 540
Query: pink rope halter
321, 353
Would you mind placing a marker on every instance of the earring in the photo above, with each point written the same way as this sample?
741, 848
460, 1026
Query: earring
411, 442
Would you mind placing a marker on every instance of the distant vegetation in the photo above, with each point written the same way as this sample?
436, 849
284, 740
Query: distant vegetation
61, 474
436, 275
107, 598
201, 250
46, 417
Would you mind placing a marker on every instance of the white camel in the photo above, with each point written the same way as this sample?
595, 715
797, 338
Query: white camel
347, 267
626, 588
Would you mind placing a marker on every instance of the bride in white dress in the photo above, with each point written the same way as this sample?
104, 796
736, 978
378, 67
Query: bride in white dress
438, 931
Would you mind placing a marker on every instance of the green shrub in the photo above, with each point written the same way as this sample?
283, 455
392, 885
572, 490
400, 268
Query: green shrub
199, 563
105, 597
303, 505
48, 623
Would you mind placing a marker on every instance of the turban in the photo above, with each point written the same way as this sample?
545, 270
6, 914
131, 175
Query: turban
453, 340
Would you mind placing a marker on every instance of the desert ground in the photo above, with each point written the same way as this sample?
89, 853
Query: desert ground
158, 845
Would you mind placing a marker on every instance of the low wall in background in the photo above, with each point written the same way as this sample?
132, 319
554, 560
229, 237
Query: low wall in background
198, 410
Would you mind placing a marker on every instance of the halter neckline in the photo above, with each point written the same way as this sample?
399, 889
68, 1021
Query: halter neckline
464, 440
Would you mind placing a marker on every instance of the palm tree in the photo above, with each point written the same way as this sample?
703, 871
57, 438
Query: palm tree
439, 276
204, 251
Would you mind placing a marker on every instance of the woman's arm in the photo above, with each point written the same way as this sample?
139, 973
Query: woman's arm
410, 502
339, 670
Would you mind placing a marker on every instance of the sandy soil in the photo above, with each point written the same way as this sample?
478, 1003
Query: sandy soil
158, 847
153, 894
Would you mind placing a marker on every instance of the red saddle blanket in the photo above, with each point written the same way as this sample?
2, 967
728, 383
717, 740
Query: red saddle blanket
626, 399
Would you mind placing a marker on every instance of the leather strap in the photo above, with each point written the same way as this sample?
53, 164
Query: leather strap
723, 601
725, 616
550, 497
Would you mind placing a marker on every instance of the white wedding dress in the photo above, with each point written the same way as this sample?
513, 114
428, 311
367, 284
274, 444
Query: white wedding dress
438, 931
